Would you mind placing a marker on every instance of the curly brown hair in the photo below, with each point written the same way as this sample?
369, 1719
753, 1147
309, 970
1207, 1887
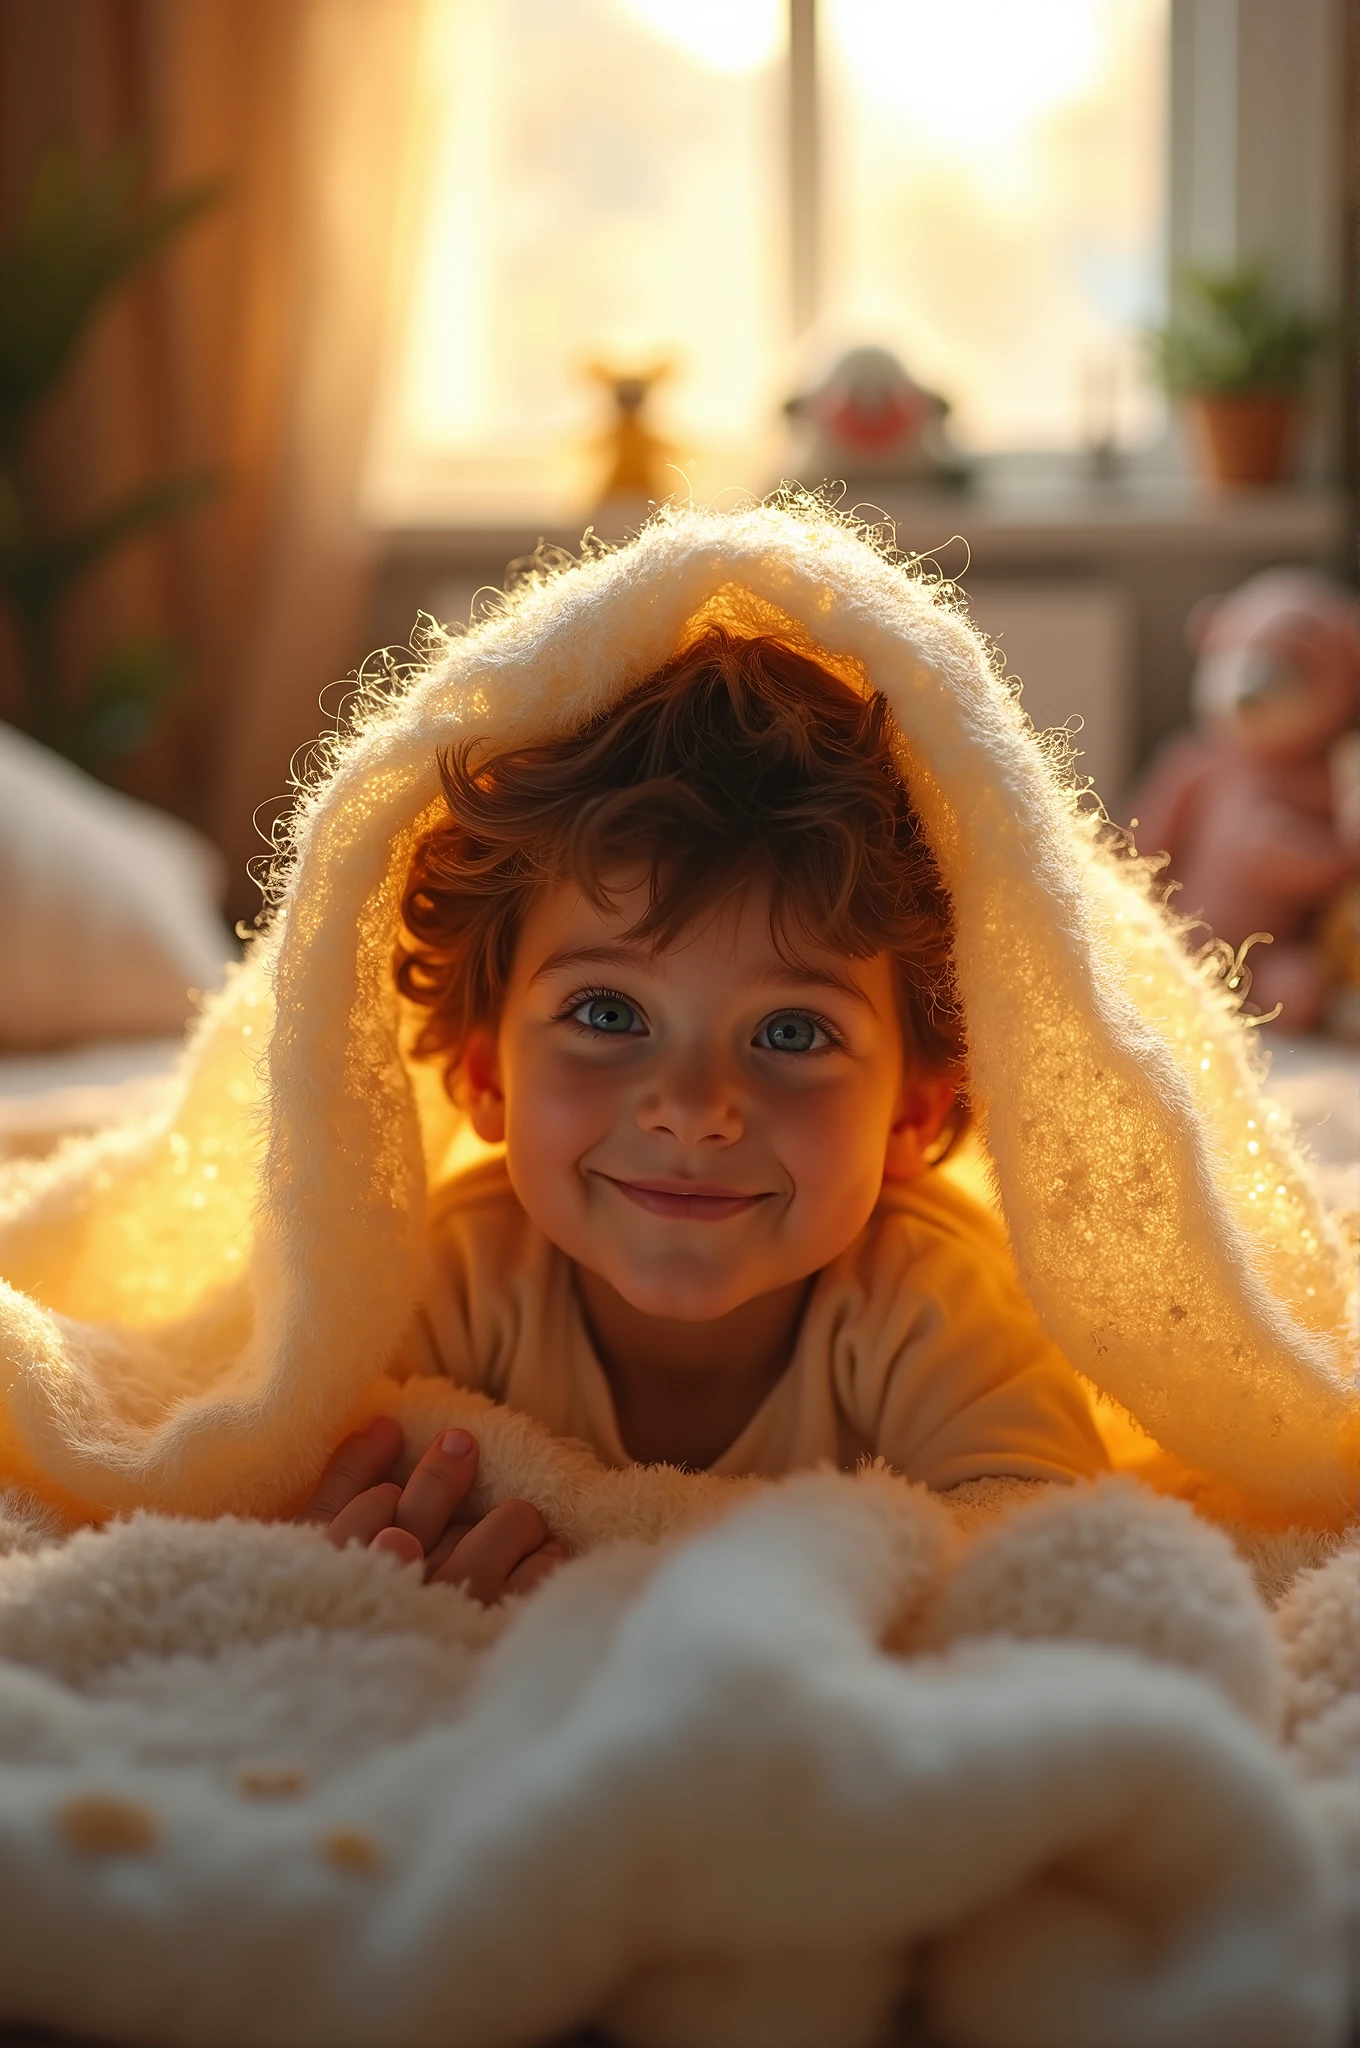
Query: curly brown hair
739, 760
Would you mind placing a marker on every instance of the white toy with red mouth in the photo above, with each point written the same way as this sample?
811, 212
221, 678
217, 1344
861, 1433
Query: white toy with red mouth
868, 418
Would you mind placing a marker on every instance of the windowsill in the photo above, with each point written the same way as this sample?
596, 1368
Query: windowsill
1035, 518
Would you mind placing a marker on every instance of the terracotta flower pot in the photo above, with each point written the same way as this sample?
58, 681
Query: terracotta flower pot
1247, 435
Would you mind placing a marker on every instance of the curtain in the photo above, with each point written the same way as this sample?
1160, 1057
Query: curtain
253, 348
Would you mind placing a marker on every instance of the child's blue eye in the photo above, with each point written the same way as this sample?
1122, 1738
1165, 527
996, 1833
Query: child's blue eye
608, 1014
791, 1031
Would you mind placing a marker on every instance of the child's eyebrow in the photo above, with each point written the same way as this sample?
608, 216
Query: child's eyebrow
790, 974
583, 956
794, 976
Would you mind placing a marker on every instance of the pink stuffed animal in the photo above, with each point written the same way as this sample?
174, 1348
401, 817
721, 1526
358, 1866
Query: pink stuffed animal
1251, 807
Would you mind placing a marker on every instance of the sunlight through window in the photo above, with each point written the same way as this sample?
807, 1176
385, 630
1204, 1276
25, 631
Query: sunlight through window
605, 185
995, 199
608, 182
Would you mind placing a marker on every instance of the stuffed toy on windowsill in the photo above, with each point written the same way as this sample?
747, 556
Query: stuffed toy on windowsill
1258, 809
869, 421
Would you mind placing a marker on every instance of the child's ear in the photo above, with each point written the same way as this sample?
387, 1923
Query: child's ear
922, 1110
480, 1079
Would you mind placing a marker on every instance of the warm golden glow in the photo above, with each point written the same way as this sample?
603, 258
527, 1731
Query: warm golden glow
599, 181
975, 75
609, 180
996, 177
727, 35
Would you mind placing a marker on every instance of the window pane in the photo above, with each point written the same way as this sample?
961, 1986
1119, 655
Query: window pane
605, 181
995, 174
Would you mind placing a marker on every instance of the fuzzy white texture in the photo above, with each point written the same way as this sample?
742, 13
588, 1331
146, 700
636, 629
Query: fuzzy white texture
1114, 1564
289, 1794
761, 1758
198, 1305
1318, 1626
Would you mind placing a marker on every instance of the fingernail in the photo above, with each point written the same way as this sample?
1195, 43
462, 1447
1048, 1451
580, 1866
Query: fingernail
374, 1424
456, 1443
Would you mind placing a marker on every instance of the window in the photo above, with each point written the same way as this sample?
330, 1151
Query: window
994, 176
608, 181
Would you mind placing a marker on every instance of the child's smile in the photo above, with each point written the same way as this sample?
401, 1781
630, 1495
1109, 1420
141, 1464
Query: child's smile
699, 1202
697, 1124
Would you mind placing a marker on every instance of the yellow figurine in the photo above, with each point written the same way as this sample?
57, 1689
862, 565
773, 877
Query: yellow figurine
637, 456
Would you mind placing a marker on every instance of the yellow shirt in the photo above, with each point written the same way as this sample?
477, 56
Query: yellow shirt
917, 1344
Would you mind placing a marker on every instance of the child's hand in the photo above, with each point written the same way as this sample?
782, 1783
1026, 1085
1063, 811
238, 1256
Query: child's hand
508, 1550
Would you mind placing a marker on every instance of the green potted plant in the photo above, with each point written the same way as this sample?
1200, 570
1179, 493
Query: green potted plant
79, 236
1240, 357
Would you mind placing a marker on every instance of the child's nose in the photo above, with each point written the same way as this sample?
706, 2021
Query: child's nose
692, 1103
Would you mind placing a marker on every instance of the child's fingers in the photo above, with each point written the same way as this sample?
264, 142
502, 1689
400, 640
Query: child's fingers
355, 1465
363, 1518
399, 1543
445, 1547
491, 1551
536, 1567
438, 1486
552, 1553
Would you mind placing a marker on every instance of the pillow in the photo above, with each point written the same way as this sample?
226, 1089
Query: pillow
108, 909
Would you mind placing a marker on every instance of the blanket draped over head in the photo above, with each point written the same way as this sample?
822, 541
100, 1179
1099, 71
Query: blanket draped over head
815, 1750
198, 1305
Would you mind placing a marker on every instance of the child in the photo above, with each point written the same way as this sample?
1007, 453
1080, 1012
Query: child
690, 967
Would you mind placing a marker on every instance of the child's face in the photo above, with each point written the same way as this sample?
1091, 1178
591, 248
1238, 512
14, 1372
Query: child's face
700, 1124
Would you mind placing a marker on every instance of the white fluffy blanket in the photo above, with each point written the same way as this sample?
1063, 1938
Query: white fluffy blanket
761, 1763
759, 1786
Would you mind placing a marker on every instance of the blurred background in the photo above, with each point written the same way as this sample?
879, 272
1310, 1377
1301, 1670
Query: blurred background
315, 315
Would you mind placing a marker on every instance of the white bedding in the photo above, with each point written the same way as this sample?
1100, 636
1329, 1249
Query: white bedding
109, 908
291, 1797
1319, 1084
47, 1096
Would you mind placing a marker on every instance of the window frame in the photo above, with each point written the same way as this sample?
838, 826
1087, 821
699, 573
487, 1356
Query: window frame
1258, 117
